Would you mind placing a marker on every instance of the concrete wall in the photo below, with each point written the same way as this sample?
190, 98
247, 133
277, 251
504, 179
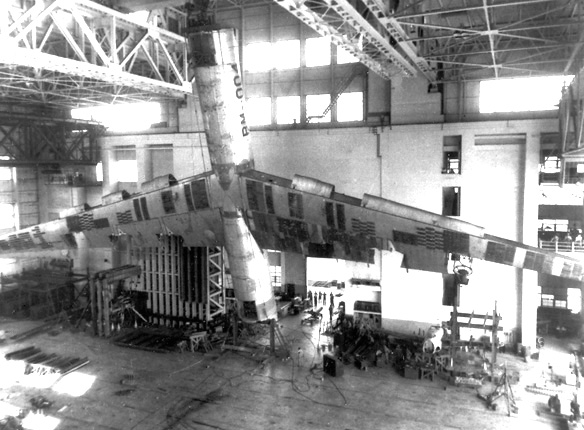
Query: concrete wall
412, 103
190, 155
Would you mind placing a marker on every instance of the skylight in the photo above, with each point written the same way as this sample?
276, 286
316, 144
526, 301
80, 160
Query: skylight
522, 94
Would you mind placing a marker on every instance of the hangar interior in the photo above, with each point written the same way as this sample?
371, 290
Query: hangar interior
415, 102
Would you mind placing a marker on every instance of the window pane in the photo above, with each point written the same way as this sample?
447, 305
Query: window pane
286, 54
257, 58
344, 56
6, 215
575, 300
99, 172
124, 167
316, 105
318, 51
547, 300
521, 94
5, 172
259, 111
350, 107
288, 110
122, 117
125, 171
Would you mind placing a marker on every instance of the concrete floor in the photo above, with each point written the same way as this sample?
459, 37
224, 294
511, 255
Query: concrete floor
123, 388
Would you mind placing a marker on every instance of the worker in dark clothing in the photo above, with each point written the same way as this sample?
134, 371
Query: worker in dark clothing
340, 317
324, 299
332, 299
310, 296
331, 309
320, 296
315, 300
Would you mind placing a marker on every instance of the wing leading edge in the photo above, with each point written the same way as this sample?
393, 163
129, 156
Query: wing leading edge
307, 216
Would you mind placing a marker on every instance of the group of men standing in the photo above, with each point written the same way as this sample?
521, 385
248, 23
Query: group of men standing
320, 298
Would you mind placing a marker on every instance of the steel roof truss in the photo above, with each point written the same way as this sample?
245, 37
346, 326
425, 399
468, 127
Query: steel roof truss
91, 44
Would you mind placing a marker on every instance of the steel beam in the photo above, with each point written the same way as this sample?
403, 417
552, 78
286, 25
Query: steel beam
215, 283
394, 29
491, 39
34, 140
349, 29
91, 43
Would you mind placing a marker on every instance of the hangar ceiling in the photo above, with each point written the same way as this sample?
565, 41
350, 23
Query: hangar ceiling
80, 52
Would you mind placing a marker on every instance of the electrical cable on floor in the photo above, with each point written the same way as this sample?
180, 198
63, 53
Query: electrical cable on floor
295, 387
185, 368
297, 390
231, 378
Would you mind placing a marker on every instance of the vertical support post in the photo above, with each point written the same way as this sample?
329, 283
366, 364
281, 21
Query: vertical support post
234, 328
93, 304
99, 296
494, 341
106, 307
273, 336
454, 334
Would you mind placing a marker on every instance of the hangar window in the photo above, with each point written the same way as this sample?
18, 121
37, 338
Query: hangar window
99, 172
124, 167
315, 106
554, 225
122, 117
318, 51
350, 107
574, 302
451, 201
550, 166
259, 111
573, 172
257, 57
288, 110
286, 54
7, 216
522, 94
5, 172
547, 300
451, 154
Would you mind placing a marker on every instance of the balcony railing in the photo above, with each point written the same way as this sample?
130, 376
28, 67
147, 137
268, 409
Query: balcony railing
562, 245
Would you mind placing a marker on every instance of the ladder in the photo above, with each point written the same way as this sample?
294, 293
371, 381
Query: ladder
341, 87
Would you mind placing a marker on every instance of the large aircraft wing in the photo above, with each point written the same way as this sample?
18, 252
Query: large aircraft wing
308, 216
302, 215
